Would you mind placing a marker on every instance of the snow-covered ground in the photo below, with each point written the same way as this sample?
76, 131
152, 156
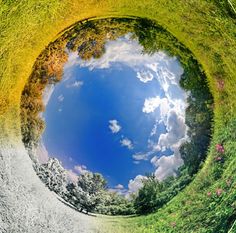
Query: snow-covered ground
27, 206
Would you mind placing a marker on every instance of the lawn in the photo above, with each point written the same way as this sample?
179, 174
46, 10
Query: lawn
206, 27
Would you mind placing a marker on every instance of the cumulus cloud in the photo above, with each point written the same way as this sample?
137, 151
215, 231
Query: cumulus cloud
60, 98
119, 189
176, 131
81, 169
119, 186
114, 126
167, 165
151, 104
145, 76
76, 84
136, 183
176, 134
142, 156
130, 53
127, 143
170, 105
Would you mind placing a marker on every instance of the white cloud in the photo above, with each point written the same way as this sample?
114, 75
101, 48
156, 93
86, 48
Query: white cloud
130, 53
76, 84
60, 98
48, 93
151, 104
119, 186
114, 126
176, 130
136, 162
171, 104
136, 183
141, 156
154, 130
119, 189
42, 153
72, 177
175, 136
127, 143
167, 165
81, 169
145, 76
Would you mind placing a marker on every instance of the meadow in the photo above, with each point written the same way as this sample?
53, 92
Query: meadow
206, 27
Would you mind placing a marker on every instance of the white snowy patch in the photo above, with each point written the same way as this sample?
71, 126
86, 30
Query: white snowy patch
29, 205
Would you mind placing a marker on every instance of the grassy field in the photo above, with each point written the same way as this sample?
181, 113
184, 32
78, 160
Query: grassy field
206, 27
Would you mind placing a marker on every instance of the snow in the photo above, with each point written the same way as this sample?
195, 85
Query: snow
26, 205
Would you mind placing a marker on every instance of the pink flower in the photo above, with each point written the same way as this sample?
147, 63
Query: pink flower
209, 194
219, 192
218, 158
220, 148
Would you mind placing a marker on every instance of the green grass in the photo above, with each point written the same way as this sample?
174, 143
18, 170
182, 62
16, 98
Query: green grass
205, 27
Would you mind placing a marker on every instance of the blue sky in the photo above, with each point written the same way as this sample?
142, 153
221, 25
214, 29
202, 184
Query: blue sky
121, 115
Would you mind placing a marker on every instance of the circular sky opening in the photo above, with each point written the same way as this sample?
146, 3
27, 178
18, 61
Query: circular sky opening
119, 97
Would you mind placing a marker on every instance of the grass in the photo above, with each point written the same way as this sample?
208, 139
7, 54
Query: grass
206, 27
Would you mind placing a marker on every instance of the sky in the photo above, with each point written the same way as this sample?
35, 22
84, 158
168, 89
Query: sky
121, 115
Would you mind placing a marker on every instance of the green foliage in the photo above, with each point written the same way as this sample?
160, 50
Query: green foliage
88, 192
155, 194
53, 175
202, 27
199, 115
115, 204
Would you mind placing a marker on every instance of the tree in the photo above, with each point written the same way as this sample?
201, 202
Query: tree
115, 204
154, 194
88, 192
147, 198
53, 176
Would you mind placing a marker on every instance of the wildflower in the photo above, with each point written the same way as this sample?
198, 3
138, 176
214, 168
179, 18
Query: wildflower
218, 158
209, 194
220, 148
219, 192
